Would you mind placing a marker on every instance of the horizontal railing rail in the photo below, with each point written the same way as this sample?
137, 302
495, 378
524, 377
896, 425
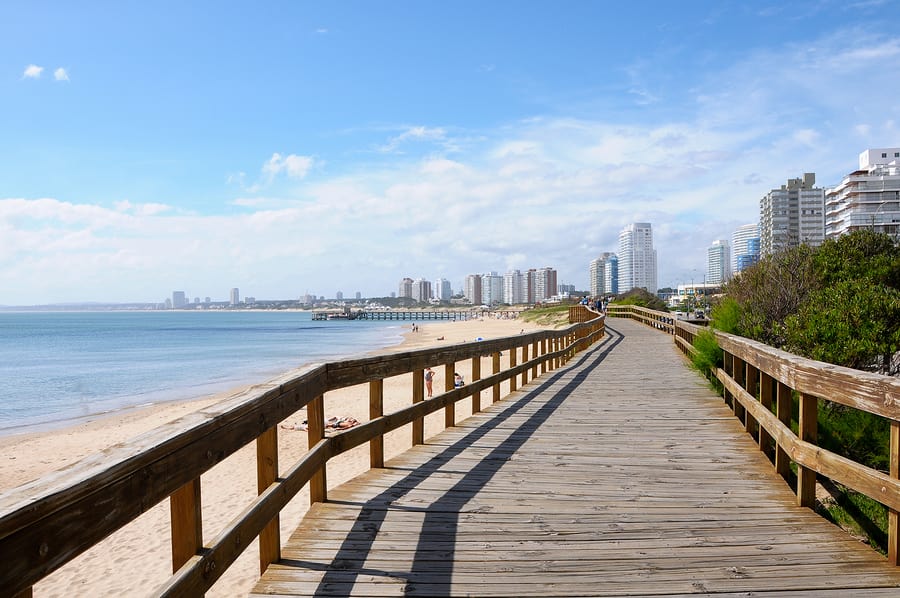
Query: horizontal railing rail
655, 319
764, 385
47, 523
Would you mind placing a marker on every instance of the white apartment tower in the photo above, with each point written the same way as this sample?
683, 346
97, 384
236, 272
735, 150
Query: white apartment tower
600, 274
868, 197
235, 296
491, 288
515, 288
442, 290
744, 247
637, 258
405, 288
718, 264
792, 215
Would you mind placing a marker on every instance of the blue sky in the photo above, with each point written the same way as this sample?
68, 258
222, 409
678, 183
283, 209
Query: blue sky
293, 147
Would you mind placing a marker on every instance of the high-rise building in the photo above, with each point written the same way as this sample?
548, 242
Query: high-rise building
491, 288
792, 215
339, 295
358, 295
744, 247
421, 290
718, 265
235, 296
868, 197
405, 289
178, 299
600, 270
637, 258
542, 284
472, 291
442, 290
611, 275
514, 287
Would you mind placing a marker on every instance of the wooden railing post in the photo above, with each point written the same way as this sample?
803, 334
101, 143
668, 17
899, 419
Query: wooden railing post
476, 375
496, 369
534, 355
765, 398
808, 427
512, 364
450, 409
266, 474
544, 352
376, 410
893, 516
737, 374
315, 420
751, 383
728, 366
187, 523
524, 361
783, 407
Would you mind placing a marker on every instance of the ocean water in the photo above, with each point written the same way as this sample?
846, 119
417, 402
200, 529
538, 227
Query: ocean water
59, 367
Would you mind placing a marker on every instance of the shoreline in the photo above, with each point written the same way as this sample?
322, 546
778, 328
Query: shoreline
228, 487
119, 407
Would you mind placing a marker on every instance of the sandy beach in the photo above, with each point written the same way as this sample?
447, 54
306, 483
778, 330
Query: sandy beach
136, 560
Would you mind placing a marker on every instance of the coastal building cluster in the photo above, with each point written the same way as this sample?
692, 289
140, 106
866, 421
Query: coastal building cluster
633, 266
515, 287
798, 212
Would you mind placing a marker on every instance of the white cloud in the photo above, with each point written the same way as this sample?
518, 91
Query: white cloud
32, 71
292, 165
413, 134
60, 74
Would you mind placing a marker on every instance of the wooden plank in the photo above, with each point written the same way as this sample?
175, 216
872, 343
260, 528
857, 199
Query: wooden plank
376, 410
806, 476
266, 474
450, 409
893, 513
315, 413
187, 523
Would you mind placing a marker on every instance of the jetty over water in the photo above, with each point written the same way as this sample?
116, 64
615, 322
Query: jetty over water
596, 464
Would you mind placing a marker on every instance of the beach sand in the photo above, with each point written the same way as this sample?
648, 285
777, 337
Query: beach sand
137, 559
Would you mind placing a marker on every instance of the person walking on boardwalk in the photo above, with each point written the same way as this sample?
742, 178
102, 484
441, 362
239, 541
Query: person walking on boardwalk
429, 380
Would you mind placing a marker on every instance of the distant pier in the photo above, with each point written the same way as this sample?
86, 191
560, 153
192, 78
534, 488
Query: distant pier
415, 314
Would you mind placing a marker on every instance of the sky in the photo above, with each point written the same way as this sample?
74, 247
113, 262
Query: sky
294, 147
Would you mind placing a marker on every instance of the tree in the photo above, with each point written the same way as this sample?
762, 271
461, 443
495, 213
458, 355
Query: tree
853, 316
641, 298
772, 290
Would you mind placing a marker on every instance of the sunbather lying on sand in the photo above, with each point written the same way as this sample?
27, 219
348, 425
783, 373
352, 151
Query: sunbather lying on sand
341, 423
332, 423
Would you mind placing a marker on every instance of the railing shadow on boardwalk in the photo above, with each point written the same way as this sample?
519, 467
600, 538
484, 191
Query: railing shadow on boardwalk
442, 515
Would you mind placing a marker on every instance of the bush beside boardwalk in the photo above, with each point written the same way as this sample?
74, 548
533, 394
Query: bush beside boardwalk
838, 303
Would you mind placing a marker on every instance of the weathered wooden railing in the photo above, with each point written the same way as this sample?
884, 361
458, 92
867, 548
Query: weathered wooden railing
47, 523
762, 383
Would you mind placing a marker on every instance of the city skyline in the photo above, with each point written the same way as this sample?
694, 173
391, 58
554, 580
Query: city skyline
343, 145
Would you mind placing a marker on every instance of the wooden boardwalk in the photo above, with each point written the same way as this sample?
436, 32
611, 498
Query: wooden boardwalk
622, 475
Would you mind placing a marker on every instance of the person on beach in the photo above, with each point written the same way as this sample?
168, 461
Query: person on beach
429, 380
458, 381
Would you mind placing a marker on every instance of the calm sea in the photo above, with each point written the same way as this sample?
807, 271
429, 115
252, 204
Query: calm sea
56, 368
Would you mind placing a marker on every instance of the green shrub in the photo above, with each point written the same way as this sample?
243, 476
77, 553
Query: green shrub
708, 356
726, 316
